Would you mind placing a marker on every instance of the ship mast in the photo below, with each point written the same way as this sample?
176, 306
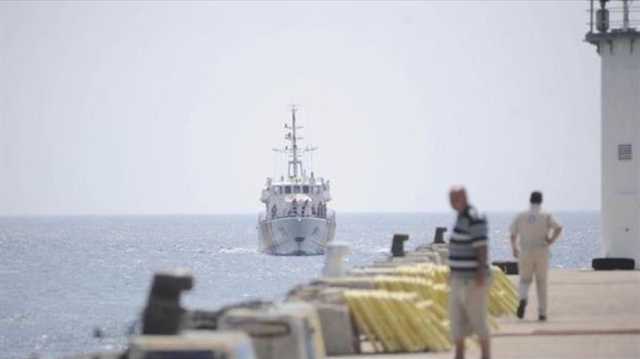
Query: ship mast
295, 162
295, 168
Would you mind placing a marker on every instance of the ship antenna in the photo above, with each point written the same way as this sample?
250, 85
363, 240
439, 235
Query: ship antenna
294, 142
295, 164
295, 167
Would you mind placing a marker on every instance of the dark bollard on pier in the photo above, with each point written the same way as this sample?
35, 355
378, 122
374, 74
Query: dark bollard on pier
508, 267
397, 245
163, 313
438, 237
613, 264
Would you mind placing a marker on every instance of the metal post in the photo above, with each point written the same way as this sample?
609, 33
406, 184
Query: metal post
294, 142
625, 15
591, 16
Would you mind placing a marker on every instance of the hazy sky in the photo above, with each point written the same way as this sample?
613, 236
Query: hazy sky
159, 107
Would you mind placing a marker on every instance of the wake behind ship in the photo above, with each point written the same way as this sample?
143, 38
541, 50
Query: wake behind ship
296, 219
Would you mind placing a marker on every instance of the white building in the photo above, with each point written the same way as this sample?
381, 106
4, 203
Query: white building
618, 45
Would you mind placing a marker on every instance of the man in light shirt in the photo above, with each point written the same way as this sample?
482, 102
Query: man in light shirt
532, 233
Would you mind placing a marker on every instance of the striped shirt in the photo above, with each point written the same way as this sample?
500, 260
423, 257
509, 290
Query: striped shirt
469, 233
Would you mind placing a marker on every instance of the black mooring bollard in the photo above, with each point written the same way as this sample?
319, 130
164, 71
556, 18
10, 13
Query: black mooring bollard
397, 245
613, 264
163, 313
508, 267
438, 237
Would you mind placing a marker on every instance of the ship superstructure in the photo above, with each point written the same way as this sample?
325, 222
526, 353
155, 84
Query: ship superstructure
296, 219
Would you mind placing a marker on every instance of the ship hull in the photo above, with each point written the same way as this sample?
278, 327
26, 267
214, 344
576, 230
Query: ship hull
295, 235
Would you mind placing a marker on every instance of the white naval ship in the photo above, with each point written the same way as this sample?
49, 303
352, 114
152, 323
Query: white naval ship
296, 220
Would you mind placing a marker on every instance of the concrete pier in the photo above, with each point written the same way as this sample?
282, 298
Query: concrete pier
591, 315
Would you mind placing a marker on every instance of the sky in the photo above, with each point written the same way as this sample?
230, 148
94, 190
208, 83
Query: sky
173, 107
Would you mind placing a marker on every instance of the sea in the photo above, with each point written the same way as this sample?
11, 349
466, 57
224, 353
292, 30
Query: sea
64, 278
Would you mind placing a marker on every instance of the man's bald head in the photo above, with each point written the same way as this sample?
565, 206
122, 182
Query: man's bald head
458, 198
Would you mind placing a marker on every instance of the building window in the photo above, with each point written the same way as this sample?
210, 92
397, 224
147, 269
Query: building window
287, 189
624, 152
305, 189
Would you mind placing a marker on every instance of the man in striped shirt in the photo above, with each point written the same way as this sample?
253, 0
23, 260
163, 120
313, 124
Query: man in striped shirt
469, 278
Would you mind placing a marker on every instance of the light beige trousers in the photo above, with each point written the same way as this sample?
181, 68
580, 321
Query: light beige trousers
534, 262
468, 307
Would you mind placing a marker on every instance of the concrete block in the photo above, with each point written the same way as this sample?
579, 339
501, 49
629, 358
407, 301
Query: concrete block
337, 329
287, 331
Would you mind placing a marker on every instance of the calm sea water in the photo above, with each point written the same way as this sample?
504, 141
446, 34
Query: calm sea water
60, 277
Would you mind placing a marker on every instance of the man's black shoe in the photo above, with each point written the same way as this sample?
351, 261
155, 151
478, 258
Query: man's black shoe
521, 307
542, 318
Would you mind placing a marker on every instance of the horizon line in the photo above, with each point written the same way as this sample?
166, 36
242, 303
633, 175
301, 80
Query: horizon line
195, 214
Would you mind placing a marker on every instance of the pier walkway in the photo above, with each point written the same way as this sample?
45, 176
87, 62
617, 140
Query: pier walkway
591, 315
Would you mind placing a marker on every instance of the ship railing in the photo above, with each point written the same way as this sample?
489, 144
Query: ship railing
291, 214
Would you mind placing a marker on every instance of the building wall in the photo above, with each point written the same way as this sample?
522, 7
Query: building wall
620, 126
